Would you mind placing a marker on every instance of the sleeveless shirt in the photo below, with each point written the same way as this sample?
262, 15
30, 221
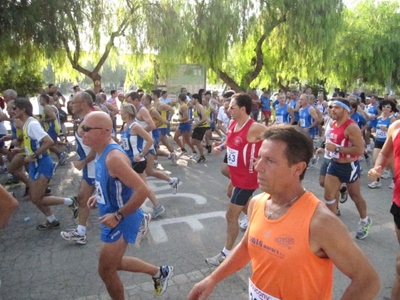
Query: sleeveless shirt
241, 155
283, 264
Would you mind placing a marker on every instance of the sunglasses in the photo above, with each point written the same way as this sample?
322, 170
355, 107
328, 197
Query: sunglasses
86, 128
387, 106
15, 108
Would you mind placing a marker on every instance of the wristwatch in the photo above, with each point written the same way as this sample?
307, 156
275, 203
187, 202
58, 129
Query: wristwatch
34, 155
118, 216
337, 149
141, 154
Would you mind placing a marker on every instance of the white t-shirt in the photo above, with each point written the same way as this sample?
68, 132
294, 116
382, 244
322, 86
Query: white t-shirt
35, 131
223, 117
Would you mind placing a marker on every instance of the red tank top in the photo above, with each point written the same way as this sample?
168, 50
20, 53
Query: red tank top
338, 137
241, 155
396, 155
283, 264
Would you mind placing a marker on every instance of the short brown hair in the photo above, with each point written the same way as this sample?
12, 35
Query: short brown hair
299, 145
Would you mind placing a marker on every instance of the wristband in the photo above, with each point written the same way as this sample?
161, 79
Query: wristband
221, 147
118, 216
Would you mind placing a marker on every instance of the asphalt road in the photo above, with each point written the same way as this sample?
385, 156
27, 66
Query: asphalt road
41, 265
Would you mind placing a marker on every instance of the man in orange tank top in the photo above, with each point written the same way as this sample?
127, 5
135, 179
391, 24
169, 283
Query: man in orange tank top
345, 145
391, 147
292, 257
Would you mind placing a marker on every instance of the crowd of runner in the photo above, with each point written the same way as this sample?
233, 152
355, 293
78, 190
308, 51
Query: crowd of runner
345, 130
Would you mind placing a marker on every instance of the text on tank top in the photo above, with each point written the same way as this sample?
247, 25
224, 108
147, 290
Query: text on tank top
283, 264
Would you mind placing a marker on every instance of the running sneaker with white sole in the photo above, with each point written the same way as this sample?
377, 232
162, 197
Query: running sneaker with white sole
363, 229
53, 225
386, 174
374, 185
161, 283
344, 194
194, 156
216, 260
174, 185
73, 236
157, 211
62, 158
144, 226
391, 186
173, 159
74, 206
244, 222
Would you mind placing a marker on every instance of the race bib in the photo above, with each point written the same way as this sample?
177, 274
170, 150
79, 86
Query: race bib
125, 143
279, 119
99, 193
256, 294
232, 156
380, 134
302, 123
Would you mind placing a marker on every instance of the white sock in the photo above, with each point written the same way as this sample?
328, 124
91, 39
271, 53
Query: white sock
171, 180
226, 252
158, 274
51, 218
81, 230
364, 220
68, 201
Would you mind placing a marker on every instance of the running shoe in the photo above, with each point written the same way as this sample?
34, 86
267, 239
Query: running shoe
174, 185
161, 283
183, 150
157, 211
216, 260
74, 206
144, 226
201, 159
386, 174
12, 183
375, 185
174, 159
53, 225
3, 169
344, 194
62, 158
194, 156
73, 236
363, 229
391, 186
244, 222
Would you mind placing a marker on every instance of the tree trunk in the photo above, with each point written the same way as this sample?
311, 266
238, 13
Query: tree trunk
96, 82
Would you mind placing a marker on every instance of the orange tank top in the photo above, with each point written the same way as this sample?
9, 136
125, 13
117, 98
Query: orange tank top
283, 264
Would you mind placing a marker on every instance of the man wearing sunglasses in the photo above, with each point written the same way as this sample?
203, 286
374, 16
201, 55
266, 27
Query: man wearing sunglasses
119, 194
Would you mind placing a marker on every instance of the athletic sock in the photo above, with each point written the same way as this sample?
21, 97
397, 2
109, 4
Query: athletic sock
158, 274
226, 252
365, 220
68, 201
81, 230
51, 218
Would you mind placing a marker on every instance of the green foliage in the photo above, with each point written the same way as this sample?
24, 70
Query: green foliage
367, 47
21, 78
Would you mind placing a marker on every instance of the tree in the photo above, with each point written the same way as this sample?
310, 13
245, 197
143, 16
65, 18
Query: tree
367, 46
236, 38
